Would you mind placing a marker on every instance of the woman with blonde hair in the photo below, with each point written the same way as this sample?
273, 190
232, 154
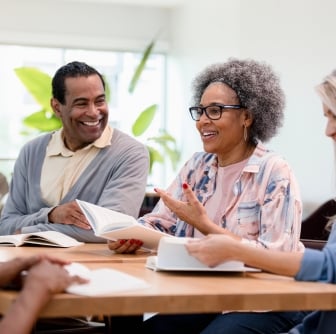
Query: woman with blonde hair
311, 265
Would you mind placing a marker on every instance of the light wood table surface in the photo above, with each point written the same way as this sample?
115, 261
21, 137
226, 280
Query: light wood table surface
88, 252
187, 292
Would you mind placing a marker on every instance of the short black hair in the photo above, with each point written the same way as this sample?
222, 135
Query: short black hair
71, 70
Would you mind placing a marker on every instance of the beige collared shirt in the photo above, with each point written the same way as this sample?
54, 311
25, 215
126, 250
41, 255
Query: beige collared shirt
62, 167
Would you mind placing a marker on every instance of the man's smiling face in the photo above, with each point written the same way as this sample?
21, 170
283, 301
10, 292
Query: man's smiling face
85, 112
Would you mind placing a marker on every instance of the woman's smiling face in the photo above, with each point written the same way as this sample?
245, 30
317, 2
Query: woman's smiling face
330, 129
225, 135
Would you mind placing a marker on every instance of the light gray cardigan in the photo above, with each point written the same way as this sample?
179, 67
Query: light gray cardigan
115, 179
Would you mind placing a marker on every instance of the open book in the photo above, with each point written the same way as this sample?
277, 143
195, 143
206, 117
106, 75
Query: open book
102, 281
172, 255
45, 238
113, 225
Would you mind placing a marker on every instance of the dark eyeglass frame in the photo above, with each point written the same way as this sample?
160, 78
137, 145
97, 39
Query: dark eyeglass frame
204, 110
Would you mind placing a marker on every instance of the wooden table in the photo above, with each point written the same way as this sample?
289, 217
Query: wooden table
89, 252
186, 292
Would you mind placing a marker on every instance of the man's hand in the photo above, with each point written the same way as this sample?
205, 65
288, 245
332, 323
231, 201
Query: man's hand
10, 271
69, 214
48, 278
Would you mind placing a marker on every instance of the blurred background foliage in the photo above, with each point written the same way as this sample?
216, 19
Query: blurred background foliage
161, 147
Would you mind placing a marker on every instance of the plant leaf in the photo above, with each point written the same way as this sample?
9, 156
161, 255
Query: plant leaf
144, 120
174, 155
108, 92
154, 156
37, 83
168, 145
162, 138
140, 67
42, 121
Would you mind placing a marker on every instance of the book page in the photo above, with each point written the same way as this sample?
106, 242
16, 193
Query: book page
103, 281
104, 220
11, 240
113, 225
51, 238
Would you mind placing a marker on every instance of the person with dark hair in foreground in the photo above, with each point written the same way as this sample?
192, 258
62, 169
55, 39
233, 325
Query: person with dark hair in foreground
38, 278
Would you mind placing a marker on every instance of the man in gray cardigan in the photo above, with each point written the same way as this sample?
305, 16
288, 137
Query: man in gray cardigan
86, 159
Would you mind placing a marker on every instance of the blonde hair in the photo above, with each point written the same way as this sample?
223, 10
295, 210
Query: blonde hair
327, 93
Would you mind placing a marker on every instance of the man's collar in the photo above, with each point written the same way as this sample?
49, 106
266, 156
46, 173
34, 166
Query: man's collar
57, 147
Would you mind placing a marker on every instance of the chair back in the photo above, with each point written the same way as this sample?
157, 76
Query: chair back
313, 229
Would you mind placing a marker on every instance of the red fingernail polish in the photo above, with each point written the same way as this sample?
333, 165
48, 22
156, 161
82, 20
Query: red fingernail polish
155, 189
185, 186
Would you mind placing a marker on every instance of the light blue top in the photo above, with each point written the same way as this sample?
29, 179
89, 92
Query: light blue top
319, 266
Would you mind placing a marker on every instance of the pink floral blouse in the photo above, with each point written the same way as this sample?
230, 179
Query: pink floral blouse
265, 199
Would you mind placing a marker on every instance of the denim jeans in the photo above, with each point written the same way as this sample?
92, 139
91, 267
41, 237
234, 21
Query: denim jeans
211, 323
254, 322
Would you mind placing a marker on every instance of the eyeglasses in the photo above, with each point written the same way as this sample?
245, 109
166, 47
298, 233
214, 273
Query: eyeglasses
213, 111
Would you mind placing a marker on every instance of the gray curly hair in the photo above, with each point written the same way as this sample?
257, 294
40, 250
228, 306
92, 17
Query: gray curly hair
257, 88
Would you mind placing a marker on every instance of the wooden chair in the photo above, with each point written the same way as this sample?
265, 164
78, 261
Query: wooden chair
148, 203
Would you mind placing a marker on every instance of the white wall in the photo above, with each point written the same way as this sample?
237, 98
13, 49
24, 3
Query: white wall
71, 23
295, 36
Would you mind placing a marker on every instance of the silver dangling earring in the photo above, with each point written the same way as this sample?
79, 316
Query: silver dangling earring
245, 132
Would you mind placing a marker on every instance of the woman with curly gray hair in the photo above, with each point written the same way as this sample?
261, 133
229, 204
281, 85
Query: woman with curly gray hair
256, 88
311, 265
239, 188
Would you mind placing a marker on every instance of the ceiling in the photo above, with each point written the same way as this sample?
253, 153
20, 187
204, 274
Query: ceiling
150, 3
